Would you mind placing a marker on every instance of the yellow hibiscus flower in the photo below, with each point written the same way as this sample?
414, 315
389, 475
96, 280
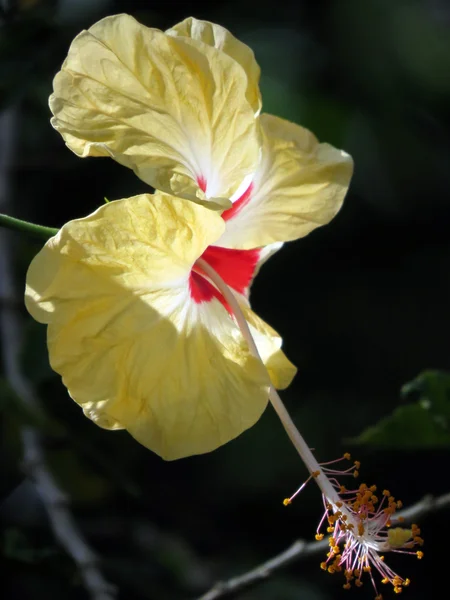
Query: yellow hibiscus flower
147, 299
143, 337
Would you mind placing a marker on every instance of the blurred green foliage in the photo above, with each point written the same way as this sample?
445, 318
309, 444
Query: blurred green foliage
422, 424
362, 305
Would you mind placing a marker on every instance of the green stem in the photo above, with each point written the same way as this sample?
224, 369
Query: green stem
26, 227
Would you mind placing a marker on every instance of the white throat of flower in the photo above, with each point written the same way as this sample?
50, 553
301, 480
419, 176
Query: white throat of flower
359, 524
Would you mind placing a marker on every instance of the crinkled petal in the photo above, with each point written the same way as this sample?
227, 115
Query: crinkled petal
300, 185
173, 109
133, 347
220, 38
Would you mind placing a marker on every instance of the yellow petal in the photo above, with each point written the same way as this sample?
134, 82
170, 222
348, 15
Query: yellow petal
220, 38
398, 536
133, 348
173, 109
299, 185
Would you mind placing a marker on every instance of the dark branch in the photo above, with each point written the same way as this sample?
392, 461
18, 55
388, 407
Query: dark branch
55, 501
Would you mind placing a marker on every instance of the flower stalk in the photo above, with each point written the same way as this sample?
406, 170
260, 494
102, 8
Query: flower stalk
26, 227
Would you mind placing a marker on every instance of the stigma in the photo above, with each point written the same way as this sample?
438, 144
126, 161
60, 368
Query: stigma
362, 525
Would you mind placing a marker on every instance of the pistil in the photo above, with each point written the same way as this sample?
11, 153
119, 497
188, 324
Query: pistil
357, 521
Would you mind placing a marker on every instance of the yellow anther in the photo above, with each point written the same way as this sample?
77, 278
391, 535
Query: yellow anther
355, 473
315, 473
342, 489
419, 554
367, 569
378, 597
399, 504
386, 493
287, 501
331, 569
336, 549
373, 488
330, 529
357, 464
323, 566
406, 582
319, 536
347, 586
398, 589
339, 504
358, 582
349, 574
348, 456
385, 580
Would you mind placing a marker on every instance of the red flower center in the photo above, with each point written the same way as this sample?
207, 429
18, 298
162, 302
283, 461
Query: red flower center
236, 267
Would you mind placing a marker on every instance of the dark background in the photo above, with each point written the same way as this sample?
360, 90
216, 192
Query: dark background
362, 304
